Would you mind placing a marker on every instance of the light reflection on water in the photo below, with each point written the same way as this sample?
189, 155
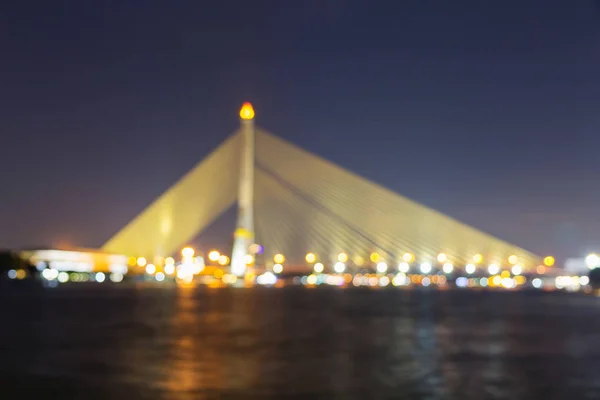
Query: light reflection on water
127, 342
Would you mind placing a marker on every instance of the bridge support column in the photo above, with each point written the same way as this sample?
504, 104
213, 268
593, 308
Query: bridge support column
244, 232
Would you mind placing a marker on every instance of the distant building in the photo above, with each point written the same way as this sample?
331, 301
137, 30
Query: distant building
76, 260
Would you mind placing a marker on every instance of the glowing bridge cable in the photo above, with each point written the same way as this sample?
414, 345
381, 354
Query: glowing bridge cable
432, 248
307, 198
322, 208
363, 244
404, 244
277, 154
305, 210
326, 234
184, 209
323, 230
451, 233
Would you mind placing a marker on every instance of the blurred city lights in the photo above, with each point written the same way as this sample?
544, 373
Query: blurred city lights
249, 259
342, 257
223, 260
169, 269
141, 262
382, 267
268, 278
100, 277
214, 256
442, 257
477, 258
169, 261
513, 259
63, 277
408, 257
374, 257
470, 268
359, 261
277, 268
310, 258
400, 280
403, 267
150, 269
311, 279
549, 261
229, 279
426, 282
187, 252
493, 269
160, 277
50, 274
592, 261
536, 283
462, 281
584, 280
540, 269
425, 267
255, 248
517, 269
318, 268
339, 267
279, 258
508, 283
447, 268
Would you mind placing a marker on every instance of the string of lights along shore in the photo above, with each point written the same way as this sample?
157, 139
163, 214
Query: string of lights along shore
300, 214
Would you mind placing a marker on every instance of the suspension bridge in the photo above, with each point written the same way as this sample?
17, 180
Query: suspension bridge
301, 210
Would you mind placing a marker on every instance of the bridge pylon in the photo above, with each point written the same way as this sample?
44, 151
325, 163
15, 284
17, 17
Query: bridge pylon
244, 232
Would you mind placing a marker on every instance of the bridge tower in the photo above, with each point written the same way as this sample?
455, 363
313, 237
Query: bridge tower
244, 232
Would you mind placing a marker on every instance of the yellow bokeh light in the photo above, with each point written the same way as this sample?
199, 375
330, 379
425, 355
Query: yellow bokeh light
279, 258
214, 256
442, 257
374, 257
247, 111
248, 259
549, 261
342, 257
505, 274
223, 259
188, 252
310, 258
478, 258
169, 261
408, 257
141, 262
132, 261
513, 259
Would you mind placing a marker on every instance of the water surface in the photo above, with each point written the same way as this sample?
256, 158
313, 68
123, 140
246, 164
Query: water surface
91, 341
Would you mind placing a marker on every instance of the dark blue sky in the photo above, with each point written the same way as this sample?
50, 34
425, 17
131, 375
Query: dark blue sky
488, 111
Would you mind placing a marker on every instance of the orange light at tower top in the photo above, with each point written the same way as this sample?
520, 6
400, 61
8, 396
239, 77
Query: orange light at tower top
247, 111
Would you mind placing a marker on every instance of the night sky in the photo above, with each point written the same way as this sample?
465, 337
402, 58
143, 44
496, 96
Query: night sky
487, 111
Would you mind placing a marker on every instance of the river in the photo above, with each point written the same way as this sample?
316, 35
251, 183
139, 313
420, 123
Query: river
104, 341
